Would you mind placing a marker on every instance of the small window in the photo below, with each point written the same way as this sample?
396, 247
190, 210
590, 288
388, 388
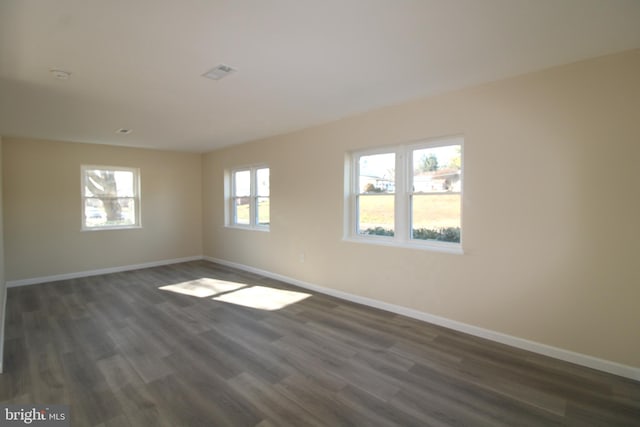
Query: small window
110, 197
408, 195
250, 203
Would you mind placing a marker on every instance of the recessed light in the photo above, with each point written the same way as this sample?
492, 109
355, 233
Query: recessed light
60, 74
218, 72
123, 131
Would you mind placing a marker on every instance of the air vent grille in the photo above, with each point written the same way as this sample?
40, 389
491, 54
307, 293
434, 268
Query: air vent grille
218, 72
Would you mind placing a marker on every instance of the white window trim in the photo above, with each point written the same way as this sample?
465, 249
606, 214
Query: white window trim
136, 198
230, 220
403, 167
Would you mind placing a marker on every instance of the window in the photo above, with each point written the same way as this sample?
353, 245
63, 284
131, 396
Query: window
250, 204
376, 194
408, 195
110, 197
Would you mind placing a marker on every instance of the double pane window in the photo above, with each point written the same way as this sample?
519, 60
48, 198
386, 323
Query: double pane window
110, 197
408, 194
250, 201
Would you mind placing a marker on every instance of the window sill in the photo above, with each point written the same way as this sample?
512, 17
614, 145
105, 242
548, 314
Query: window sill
247, 228
433, 246
128, 227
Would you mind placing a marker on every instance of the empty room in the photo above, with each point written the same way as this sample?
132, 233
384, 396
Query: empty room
324, 213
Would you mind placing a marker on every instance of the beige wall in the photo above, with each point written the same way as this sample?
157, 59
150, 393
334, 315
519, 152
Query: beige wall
42, 208
551, 208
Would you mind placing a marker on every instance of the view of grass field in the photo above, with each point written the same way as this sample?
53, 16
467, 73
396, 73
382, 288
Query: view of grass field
429, 211
377, 210
433, 192
242, 211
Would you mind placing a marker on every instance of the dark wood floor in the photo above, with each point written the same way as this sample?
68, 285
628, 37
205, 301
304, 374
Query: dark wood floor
123, 352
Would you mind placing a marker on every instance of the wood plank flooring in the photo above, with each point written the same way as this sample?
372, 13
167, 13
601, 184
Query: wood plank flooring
123, 352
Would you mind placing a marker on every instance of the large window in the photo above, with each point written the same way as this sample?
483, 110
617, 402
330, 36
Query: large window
110, 197
250, 204
408, 195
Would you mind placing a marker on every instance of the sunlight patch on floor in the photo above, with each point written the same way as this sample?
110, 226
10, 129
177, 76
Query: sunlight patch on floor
203, 287
263, 298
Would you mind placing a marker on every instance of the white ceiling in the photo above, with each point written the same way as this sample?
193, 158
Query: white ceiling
138, 63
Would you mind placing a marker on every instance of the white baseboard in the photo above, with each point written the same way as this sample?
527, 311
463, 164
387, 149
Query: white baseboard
535, 347
57, 277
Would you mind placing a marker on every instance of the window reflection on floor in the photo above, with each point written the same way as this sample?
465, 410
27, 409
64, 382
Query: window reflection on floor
259, 297
263, 298
203, 287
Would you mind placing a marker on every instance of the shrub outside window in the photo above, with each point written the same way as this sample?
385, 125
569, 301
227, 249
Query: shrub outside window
408, 195
110, 197
250, 202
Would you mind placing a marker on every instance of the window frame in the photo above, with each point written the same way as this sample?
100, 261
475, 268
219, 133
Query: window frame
403, 196
231, 217
136, 197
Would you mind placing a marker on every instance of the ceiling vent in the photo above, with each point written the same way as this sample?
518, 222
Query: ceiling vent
60, 74
218, 72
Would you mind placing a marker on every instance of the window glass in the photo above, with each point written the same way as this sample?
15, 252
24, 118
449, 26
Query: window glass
262, 176
436, 200
262, 199
242, 180
242, 199
376, 201
436, 217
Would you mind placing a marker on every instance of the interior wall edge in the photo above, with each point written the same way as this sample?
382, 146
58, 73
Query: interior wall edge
3, 283
88, 273
581, 359
3, 317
